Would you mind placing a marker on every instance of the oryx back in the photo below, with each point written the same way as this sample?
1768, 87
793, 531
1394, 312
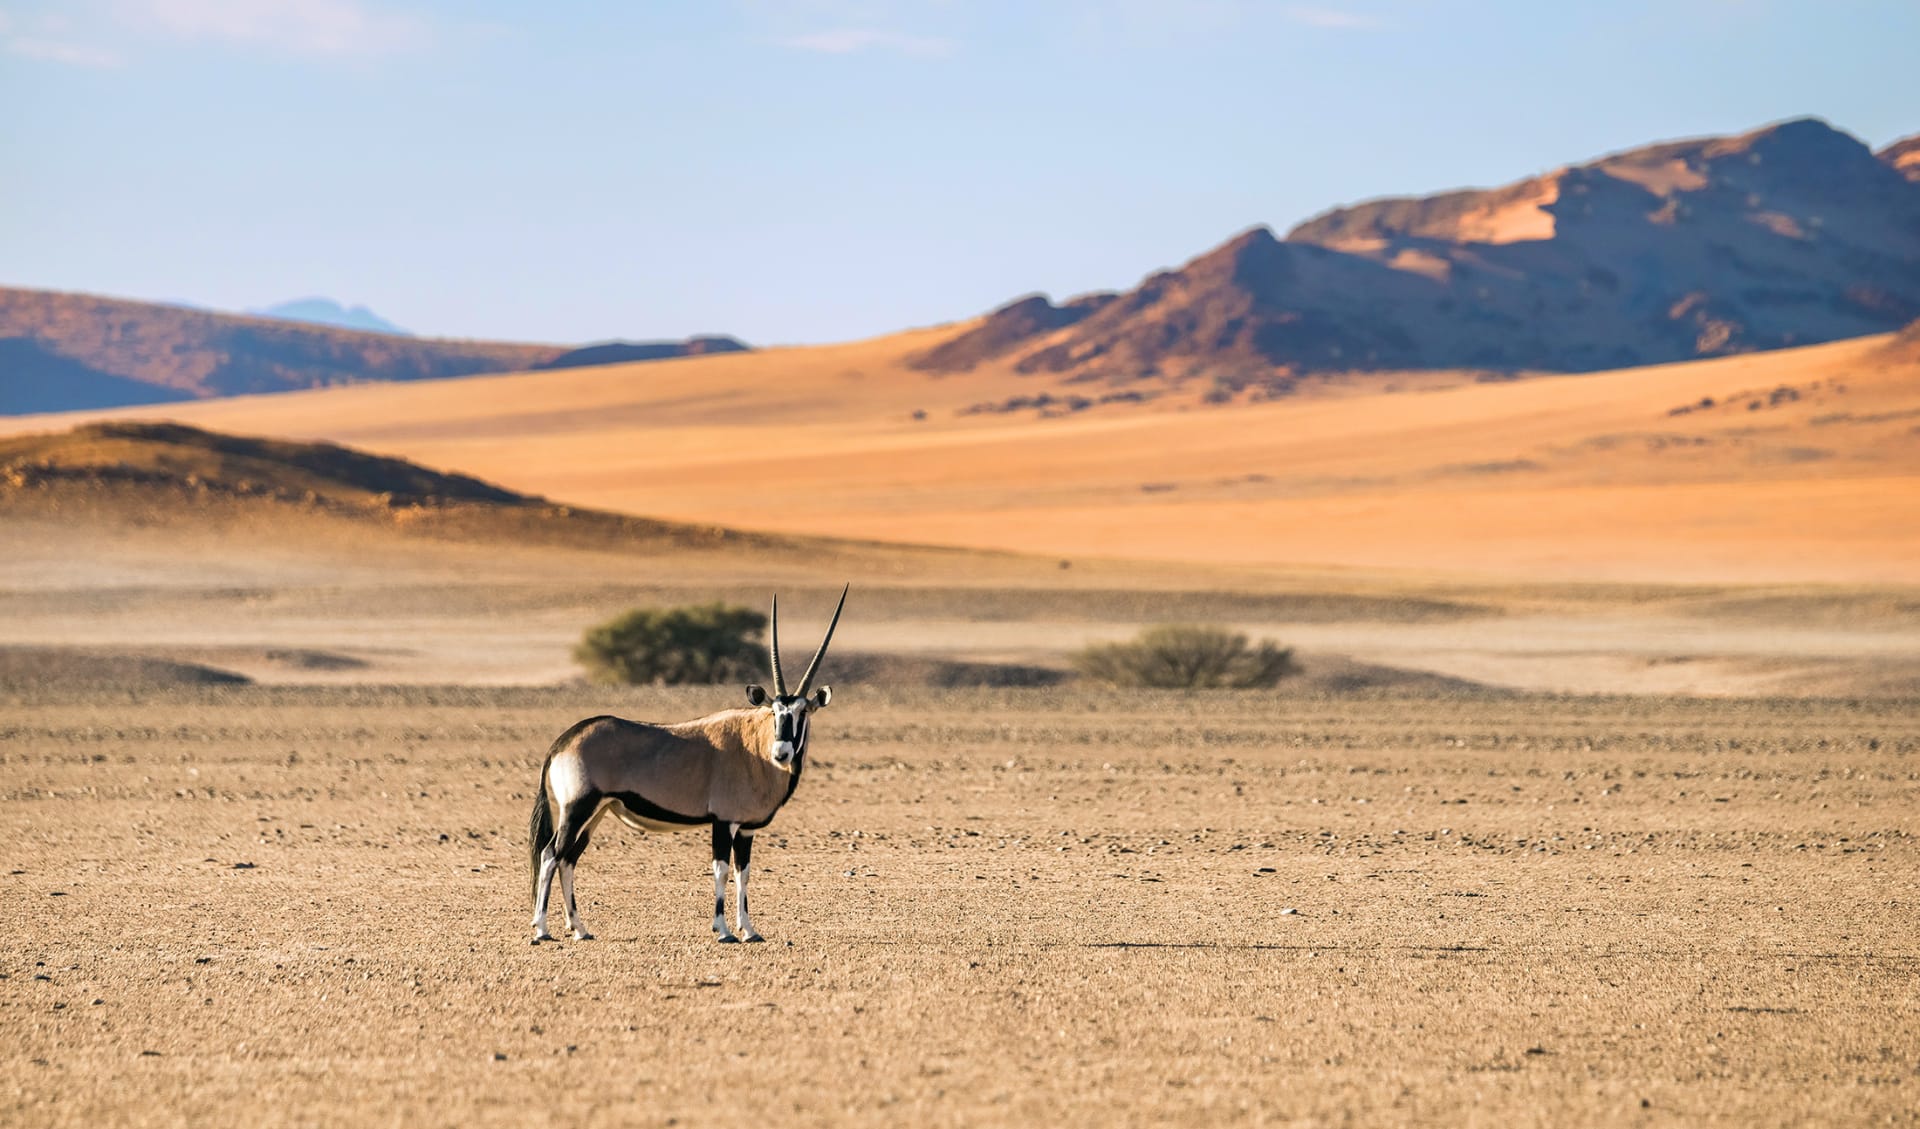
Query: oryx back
672, 777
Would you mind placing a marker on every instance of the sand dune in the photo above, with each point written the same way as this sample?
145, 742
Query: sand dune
1793, 465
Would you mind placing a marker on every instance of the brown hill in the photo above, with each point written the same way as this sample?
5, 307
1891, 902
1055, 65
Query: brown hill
1792, 234
172, 453
205, 354
62, 352
162, 471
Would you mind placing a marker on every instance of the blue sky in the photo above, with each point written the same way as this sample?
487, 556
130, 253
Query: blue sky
820, 170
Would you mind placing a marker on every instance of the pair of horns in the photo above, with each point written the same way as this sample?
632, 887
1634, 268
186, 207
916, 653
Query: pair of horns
806, 680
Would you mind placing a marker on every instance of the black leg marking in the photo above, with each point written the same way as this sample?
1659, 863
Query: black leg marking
570, 837
569, 840
742, 857
722, 842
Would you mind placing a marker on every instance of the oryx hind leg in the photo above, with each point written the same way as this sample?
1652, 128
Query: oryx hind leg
570, 835
722, 850
543, 887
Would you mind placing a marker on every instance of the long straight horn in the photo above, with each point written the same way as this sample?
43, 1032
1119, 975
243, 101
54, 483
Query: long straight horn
806, 680
773, 648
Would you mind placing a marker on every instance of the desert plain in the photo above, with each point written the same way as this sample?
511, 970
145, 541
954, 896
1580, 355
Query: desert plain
1594, 801
308, 906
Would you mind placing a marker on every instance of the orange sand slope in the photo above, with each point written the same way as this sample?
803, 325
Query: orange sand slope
1794, 465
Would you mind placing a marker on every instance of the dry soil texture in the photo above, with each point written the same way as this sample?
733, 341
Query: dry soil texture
268, 905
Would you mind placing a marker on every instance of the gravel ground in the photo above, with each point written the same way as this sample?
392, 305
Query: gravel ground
272, 905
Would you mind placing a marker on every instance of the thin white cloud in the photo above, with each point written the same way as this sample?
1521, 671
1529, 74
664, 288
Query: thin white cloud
1336, 19
308, 27
67, 54
848, 41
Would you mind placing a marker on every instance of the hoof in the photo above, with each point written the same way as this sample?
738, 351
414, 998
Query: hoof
727, 939
582, 935
753, 938
542, 937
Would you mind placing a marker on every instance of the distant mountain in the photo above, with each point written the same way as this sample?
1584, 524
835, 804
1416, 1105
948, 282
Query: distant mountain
64, 352
326, 311
1788, 235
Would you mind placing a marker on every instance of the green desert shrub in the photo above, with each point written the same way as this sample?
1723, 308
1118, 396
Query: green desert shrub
1184, 656
701, 643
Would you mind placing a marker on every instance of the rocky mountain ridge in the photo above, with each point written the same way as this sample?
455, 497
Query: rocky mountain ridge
1792, 234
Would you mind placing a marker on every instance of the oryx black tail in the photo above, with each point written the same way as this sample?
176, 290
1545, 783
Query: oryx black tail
539, 830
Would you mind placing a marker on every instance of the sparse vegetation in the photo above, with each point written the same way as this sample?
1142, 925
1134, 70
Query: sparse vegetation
1181, 656
701, 643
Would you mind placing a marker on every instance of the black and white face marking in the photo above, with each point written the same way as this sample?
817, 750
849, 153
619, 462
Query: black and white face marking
789, 729
790, 716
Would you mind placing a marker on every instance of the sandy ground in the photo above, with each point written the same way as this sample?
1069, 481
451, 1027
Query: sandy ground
302, 600
1795, 466
280, 906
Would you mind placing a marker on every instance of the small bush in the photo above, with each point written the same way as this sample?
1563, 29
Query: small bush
703, 643
1177, 656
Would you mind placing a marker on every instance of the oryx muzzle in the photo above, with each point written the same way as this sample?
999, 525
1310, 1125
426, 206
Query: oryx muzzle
730, 771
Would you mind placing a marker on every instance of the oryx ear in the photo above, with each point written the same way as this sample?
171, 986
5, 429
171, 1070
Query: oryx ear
821, 697
756, 696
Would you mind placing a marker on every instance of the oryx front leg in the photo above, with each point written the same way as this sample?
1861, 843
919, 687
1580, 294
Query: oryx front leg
742, 855
722, 845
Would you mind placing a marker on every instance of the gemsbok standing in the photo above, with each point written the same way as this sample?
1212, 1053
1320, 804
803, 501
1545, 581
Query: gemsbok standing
730, 771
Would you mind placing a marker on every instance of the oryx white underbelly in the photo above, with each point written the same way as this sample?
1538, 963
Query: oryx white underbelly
626, 815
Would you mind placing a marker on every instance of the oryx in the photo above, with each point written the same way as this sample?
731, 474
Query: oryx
730, 770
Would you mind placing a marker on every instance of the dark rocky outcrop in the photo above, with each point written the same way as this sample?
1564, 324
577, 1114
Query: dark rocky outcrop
622, 352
